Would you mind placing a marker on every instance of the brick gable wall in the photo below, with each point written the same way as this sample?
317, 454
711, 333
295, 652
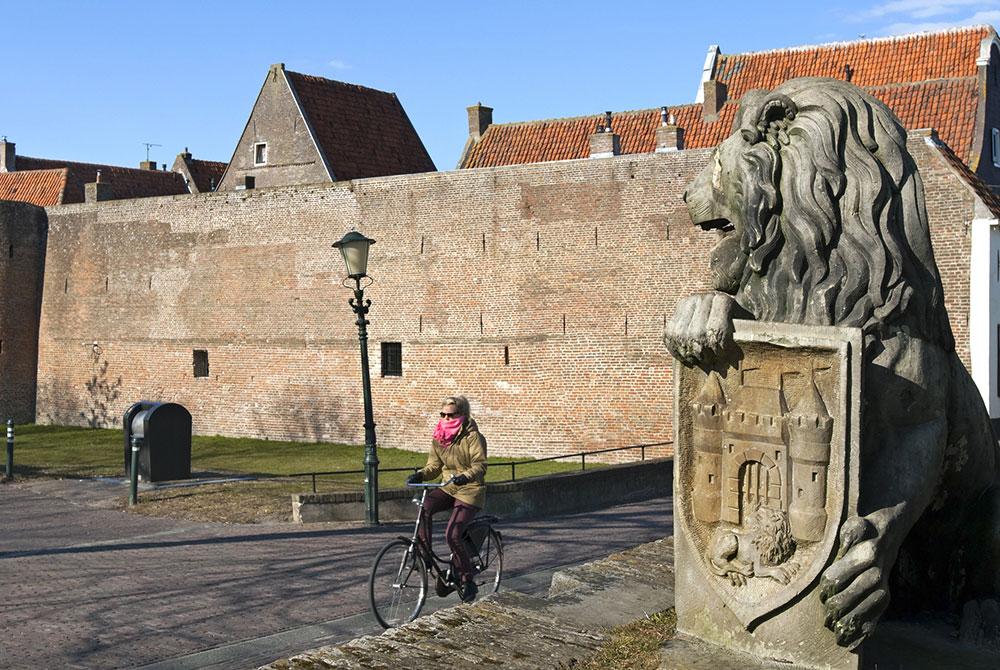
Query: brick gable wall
467, 264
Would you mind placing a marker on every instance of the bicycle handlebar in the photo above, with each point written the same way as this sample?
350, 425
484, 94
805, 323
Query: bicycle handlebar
437, 485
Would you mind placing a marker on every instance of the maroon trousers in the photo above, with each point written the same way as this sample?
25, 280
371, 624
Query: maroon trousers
461, 514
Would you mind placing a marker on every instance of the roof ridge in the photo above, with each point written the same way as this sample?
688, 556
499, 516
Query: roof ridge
869, 40
342, 83
66, 163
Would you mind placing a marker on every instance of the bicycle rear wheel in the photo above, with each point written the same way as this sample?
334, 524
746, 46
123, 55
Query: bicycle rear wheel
488, 565
397, 587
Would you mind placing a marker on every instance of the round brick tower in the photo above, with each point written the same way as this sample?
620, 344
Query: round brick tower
23, 231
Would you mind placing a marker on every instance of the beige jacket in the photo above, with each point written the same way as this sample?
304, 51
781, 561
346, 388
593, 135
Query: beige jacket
466, 456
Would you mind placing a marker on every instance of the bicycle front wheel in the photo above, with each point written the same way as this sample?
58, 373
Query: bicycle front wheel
397, 587
488, 565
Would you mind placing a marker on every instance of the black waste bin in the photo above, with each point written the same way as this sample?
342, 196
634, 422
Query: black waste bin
164, 432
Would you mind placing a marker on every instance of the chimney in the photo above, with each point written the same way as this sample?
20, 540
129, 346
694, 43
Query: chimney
97, 191
715, 96
148, 165
668, 136
480, 119
7, 155
604, 142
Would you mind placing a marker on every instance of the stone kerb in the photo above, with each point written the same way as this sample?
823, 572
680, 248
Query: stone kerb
767, 449
535, 496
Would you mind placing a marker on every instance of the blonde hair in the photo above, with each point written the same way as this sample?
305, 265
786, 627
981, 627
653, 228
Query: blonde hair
460, 402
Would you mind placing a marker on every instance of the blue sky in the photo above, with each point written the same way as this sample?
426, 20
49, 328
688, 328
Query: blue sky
93, 81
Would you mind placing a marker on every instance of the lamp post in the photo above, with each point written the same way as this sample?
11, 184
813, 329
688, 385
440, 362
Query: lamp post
354, 248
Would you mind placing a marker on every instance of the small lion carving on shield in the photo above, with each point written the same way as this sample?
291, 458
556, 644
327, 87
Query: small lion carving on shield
822, 219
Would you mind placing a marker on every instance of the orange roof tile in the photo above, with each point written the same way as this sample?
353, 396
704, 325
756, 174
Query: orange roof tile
929, 81
872, 62
362, 132
39, 187
125, 182
949, 106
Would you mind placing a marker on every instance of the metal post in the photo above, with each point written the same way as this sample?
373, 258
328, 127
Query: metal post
133, 485
512, 477
583, 460
642, 452
314, 482
10, 448
360, 307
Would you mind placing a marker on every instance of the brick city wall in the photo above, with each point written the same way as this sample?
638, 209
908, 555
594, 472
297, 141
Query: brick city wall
540, 291
22, 258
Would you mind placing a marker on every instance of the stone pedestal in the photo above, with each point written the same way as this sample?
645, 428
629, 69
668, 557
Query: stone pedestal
766, 471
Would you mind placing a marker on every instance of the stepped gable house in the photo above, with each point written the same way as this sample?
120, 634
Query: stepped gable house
305, 129
503, 282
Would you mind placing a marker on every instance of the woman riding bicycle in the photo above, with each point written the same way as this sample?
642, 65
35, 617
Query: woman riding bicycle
457, 450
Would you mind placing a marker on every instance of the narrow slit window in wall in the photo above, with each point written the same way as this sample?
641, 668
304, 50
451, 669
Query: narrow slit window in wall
506, 355
260, 153
392, 359
10, 251
200, 362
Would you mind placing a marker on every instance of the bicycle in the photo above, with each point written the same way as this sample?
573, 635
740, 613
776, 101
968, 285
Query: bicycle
397, 587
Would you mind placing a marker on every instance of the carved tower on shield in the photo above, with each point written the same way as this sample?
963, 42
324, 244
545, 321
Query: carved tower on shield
706, 417
809, 430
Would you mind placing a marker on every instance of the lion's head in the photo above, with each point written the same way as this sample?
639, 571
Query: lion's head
822, 214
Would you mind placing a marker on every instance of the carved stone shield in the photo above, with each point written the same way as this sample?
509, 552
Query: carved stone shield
765, 473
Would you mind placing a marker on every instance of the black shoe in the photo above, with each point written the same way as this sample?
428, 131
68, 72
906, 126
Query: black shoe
467, 592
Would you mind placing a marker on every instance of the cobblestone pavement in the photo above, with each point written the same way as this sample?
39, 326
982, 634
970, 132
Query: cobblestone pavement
86, 586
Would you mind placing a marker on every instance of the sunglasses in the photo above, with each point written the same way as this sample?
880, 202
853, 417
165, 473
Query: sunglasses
449, 415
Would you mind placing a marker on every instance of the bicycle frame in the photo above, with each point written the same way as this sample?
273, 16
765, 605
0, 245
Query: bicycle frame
416, 541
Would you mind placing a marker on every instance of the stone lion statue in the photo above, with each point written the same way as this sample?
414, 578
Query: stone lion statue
821, 217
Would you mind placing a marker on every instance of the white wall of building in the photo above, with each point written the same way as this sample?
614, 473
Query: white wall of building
984, 310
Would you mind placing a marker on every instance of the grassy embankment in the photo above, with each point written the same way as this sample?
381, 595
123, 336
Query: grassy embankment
69, 452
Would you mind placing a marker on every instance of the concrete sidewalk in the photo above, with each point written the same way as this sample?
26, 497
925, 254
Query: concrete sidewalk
88, 586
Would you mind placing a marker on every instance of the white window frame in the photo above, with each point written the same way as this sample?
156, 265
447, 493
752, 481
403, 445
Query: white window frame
258, 145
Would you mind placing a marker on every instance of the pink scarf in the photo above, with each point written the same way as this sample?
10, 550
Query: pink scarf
446, 431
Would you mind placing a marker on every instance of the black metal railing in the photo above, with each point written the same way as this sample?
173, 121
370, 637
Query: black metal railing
582, 455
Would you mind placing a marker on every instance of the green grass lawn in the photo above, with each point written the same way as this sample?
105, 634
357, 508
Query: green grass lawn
60, 451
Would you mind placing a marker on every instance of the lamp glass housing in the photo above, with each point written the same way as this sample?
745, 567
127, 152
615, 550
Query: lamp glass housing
354, 248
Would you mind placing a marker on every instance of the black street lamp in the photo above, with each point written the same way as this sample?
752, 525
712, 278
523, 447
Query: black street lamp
354, 248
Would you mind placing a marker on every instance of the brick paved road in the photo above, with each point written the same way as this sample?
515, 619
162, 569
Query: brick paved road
84, 586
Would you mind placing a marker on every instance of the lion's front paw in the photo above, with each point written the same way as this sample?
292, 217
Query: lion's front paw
702, 327
854, 589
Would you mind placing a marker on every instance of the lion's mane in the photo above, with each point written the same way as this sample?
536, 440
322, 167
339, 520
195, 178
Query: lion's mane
834, 223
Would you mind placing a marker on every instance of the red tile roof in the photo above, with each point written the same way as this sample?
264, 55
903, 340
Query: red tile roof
929, 81
948, 106
39, 187
206, 174
125, 182
361, 132
873, 62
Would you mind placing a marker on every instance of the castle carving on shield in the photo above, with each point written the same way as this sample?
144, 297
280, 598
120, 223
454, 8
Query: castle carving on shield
752, 451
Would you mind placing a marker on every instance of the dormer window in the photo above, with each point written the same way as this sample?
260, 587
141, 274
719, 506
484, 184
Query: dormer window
260, 153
